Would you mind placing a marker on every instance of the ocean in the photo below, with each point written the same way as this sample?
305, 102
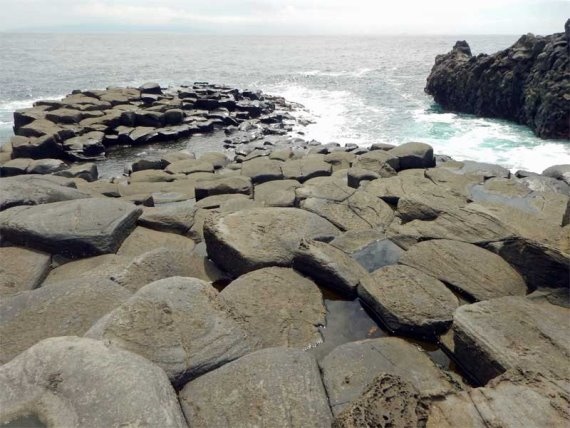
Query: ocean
359, 90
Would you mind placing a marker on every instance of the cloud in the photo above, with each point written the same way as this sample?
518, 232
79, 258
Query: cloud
295, 16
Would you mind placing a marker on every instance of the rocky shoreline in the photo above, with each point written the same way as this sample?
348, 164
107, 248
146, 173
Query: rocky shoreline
229, 288
528, 83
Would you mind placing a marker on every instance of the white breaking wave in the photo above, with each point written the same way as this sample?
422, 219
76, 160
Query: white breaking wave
349, 73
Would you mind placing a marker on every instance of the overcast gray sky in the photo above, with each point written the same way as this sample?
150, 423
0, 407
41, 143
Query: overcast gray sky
288, 16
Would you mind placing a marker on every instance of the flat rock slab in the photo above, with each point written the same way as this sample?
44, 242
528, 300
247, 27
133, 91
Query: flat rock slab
358, 210
329, 267
277, 305
409, 301
471, 270
22, 269
175, 217
388, 401
76, 228
178, 324
36, 190
59, 309
76, 382
512, 332
142, 240
509, 401
349, 368
274, 387
260, 237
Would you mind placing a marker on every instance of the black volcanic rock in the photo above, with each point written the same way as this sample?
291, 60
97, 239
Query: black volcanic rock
528, 83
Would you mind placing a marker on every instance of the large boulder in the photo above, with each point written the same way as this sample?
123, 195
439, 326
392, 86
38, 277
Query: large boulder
260, 237
277, 305
76, 382
35, 190
413, 155
22, 269
61, 308
274, 387
512, 333
329, 266
559, 172
177, 323
409, 301
75, 228
177, 217
349, 368
224, 186
474, 272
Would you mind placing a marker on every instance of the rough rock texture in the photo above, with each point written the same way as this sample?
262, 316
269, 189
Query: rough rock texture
516, 399
512, 332
329, 266
35, 190
409, 301
527, 83
471, 270
277, 305
75, 382
76, 228
22, 269
349, 368
274, 387
59, 309
388, 401
255, 238
542, 266
178, 324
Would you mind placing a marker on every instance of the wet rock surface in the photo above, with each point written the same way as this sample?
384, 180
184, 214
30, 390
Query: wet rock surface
196, 261
526, 83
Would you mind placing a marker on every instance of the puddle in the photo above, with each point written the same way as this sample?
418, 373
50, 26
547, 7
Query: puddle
29, 421
347, 321
378, 254
523, 203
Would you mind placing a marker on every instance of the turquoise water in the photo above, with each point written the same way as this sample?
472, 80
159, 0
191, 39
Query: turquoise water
356, 89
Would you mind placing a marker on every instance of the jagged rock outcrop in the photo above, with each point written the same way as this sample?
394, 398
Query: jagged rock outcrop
528, 83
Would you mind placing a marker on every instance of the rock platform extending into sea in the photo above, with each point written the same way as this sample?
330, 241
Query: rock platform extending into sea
204, 290
528, 83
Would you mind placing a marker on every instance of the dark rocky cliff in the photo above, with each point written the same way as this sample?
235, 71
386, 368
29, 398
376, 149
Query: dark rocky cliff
528, 83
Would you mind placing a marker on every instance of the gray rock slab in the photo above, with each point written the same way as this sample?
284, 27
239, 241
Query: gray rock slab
349, 368
22, 269
59, 309
283, 389
278, 305
471, 270
513, 400
255, 238
178, 324
409, 301
75, 228
78, 382
512, 332
36, 190
329, 267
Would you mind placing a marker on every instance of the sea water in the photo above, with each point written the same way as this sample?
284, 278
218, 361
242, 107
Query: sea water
359, 90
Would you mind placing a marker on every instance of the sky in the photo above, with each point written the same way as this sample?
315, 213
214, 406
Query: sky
288, 16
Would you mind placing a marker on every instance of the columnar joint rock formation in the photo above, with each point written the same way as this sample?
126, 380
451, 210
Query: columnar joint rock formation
527, 83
